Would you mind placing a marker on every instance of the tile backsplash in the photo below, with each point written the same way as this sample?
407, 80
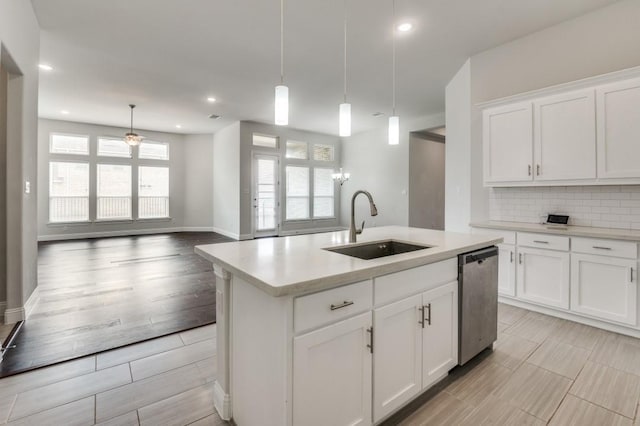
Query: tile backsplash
598, 206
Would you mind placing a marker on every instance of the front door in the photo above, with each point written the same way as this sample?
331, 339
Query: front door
266, 197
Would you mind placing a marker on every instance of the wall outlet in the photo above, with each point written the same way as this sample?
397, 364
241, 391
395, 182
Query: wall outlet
27, 187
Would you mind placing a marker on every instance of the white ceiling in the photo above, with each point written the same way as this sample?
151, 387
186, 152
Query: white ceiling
167, 56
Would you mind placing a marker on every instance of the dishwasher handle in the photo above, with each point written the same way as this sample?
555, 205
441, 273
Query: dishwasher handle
479, 256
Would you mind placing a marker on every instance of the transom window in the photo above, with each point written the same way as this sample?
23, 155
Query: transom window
111, 147
265, 141
68, 144
297, 150
150, 150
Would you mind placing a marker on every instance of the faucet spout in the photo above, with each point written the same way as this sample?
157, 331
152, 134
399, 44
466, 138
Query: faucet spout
374, 212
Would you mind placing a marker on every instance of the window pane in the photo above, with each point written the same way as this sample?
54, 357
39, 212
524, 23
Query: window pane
265, 141
68, 144
154, 150
297, 192
113, 148
68, 192
297, 150
323, 187
114, 191
153, 192
323, 152
266, 194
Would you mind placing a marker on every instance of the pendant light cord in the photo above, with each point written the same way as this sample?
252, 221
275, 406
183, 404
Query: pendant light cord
281, 41
132, 107
345, 51
393, 62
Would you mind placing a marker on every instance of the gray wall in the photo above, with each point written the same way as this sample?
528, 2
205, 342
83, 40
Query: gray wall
198, 182
190, 183
247, 128
20, 51
381, 169
226, 181
3, 189
599, 42
426, 182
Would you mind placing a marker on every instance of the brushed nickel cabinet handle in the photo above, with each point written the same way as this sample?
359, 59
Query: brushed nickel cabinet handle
520, 258
370, 346
421, 321
538, 170
342, 305
429, 311
529, 169
631, 274
511, 256
601, 248
541, 242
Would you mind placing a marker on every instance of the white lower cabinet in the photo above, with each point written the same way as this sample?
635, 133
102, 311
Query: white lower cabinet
507, 270
332, 374
604, 287
544, 277
416, 344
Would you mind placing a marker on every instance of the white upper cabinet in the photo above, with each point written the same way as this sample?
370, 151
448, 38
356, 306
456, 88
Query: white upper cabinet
618, 107
508, 137
565, 137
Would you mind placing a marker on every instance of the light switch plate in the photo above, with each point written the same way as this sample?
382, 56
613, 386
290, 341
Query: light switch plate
27, 187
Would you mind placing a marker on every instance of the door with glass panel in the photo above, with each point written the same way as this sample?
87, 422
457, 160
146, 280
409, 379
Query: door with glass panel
265, 195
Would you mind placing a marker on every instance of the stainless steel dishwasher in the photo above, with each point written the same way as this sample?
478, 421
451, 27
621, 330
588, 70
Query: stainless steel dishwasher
478, 297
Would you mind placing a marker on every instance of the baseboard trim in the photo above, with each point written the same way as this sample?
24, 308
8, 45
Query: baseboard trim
222, 401
31, 302
85, 235
13, 315
226, 233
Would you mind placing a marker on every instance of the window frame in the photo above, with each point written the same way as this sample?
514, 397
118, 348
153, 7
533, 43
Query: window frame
151, 142
112, 138
49, 192
309, 195
265, 135
131, 192
333, 195
168, 196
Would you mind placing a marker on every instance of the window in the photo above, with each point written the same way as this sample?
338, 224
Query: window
68, 144
265, 141
297, 193
323, 186
154, 150
113, 148
153, 192
68, 192
297, 150
323, 152
114, 192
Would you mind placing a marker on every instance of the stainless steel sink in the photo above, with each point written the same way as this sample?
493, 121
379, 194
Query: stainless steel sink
377, 249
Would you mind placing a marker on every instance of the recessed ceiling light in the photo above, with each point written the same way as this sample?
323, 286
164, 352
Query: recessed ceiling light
178, 126
65, 112
45, 67
405, 26
211, 99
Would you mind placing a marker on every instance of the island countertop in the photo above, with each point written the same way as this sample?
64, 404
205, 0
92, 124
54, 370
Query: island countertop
287, 266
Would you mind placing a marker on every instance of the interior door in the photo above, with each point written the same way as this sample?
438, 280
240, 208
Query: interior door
266, 197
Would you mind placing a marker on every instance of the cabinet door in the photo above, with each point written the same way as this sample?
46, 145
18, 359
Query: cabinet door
507, 270
397, 370
619, 130
332, 374
440, 336
508, 143
543, 277
565, 137
604, 287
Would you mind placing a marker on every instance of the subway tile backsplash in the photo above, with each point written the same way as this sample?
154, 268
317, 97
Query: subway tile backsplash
598, 206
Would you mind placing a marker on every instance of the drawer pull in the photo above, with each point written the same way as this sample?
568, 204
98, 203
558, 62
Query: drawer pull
541, 242
342, 305
601, 248
370, 346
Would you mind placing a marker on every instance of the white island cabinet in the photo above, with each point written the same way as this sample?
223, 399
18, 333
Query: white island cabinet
311, 337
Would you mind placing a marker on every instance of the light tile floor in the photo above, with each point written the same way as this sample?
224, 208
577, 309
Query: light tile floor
543, 371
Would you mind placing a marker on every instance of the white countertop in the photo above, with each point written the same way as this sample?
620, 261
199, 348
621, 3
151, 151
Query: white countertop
295, 265
576, 231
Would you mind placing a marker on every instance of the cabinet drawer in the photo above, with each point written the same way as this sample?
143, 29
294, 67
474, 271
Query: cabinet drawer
544, 241
509, 237
396, 286
332, 305
613, 248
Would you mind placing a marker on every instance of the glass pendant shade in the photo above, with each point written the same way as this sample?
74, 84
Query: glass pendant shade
282, 106
132, 139
394, 130
345, 120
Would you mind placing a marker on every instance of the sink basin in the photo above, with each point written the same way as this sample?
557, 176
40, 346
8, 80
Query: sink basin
377, 249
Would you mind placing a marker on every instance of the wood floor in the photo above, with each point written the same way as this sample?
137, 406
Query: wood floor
105, 293
543, 371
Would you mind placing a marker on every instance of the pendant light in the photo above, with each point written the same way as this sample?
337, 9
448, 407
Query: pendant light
394, 120
282, 91
345, 108
131, 138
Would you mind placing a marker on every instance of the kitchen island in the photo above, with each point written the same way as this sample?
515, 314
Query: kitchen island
309, 336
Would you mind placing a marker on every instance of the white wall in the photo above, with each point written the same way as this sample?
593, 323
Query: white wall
20, 41
426, 182
381, 169
599, 42
226, 181
198, 182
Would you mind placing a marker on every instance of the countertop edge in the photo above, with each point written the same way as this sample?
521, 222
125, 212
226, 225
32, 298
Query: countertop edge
601, 233
338, 280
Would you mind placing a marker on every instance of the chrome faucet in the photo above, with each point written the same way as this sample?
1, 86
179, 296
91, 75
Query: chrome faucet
374, 212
